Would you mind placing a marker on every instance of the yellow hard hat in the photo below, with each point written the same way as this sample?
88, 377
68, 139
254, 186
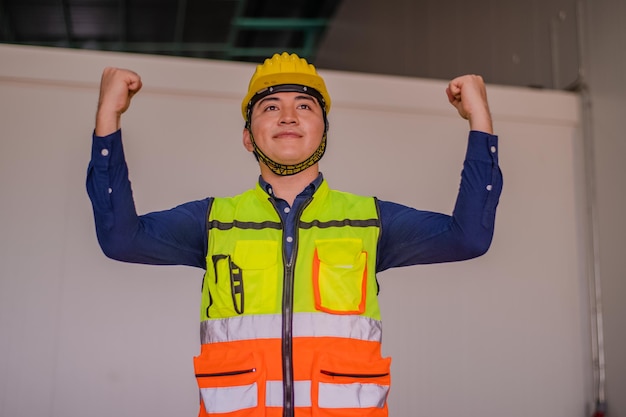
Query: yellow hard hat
285, 72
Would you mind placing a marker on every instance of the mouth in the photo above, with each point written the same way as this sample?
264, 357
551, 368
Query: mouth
288, 134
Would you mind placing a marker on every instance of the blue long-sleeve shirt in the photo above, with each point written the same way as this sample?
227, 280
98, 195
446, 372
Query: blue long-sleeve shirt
408, 236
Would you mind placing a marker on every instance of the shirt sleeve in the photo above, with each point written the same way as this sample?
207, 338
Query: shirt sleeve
410, 236
172, 237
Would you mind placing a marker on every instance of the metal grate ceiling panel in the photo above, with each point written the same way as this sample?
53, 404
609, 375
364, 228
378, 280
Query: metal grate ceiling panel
217, 29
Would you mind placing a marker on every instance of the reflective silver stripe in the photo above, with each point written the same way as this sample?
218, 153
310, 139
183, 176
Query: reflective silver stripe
332, 325
240, 328
274, 393
226, 400
352, 395
268, 326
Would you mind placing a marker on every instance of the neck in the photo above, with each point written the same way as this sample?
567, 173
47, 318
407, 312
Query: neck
288, 187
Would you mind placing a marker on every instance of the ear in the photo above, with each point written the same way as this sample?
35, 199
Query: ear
247, 141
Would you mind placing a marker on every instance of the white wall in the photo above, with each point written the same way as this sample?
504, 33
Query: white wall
504, 334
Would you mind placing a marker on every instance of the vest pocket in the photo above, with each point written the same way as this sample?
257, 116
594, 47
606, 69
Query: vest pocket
348, 387
340, 276
230, 384
246, 281
258, 260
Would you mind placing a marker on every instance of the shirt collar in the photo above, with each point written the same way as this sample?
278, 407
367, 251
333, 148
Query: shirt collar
309, 190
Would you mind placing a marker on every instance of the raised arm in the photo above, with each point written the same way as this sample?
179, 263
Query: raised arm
176, 236
411, 236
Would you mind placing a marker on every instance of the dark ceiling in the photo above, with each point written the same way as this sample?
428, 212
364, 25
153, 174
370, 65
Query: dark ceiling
217, 29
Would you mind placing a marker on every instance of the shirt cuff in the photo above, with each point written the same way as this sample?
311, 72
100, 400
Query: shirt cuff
482, 146
107, 150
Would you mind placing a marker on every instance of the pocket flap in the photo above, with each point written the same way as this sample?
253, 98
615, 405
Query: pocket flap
229, 366
339, 252
336, 367
255, 254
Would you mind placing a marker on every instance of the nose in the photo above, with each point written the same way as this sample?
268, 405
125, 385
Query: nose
288, 116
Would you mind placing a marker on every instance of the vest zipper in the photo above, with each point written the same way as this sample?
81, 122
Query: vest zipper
287, 339
287, 315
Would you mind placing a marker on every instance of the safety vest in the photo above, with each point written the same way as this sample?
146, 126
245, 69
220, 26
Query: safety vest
292, 337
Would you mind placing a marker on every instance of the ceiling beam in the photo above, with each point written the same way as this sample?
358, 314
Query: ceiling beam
311, 28
179, 29
233, 32
122, 17
279, 23
181, 14
8, 35
67, 21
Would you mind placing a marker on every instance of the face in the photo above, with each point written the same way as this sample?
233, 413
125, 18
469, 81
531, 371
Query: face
287, 127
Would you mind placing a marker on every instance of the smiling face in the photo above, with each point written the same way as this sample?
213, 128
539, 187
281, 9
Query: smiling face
288, 127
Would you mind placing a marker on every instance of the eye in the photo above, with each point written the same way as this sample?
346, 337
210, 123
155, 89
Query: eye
270, 107
304, 106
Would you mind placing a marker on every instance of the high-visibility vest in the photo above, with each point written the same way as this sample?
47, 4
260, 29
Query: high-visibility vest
292, 337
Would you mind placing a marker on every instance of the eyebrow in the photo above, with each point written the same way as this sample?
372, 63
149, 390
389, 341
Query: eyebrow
274, 98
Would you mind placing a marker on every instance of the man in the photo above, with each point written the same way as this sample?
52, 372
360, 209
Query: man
290, 320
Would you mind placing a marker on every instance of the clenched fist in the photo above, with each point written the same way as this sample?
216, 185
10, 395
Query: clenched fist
117, 88
468, 95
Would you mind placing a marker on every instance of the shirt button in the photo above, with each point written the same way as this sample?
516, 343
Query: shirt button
104, 152
289, 239
270, 191
110, 190
287, 210
493, 149
489, 187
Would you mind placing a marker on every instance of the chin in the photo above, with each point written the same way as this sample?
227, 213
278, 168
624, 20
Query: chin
290, 159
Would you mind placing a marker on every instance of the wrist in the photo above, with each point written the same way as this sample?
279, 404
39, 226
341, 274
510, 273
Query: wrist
107, 123
481, 122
